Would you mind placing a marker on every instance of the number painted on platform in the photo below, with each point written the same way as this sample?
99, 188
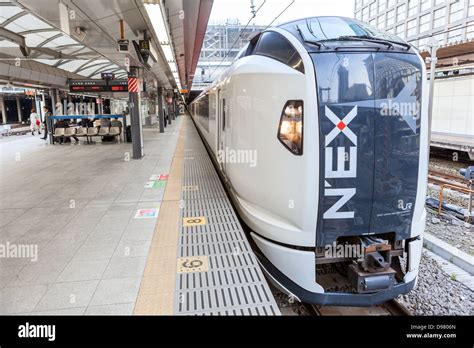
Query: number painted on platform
192, 264
194, 221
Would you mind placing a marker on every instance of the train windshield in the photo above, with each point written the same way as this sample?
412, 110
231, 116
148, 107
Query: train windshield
333, 28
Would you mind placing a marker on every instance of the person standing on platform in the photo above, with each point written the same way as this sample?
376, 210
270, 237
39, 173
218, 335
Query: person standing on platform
47, 113
35, 122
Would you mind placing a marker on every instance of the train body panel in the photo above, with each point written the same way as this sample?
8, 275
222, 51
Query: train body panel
267, 207
323, 146
277, 204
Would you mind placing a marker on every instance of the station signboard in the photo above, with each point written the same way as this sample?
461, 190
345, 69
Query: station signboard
88, 86
107, 76
118, 86
79, 86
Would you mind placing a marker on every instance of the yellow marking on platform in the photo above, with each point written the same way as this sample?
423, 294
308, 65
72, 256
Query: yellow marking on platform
193, 264
194, 221
190, 188
157, 288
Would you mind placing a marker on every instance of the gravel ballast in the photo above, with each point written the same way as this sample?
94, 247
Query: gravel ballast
437, 293
454, 232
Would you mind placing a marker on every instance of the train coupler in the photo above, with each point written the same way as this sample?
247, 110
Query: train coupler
373, 272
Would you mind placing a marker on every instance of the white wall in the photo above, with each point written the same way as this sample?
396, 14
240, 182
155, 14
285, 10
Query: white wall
453, 108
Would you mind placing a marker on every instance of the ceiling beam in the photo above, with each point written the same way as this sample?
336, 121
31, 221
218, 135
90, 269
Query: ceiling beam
36, 31
15, 38
49, 52
52, 38
83, 66
92, 65
14, 18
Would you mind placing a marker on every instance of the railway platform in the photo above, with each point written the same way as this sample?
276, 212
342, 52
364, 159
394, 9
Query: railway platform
455, 142
214, 271
110, 235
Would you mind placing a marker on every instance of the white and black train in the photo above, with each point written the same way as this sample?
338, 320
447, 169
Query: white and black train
320, 131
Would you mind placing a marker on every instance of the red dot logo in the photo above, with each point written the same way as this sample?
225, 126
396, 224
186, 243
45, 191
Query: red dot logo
341, 125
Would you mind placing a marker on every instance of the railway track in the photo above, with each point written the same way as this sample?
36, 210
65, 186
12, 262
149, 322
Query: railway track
440, 178
389, 308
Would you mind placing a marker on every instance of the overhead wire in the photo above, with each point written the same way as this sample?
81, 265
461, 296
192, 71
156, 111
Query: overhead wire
284, 10
246, 26
254, 14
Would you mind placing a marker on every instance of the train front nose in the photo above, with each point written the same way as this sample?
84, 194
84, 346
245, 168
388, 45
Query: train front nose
369, 125
369, 152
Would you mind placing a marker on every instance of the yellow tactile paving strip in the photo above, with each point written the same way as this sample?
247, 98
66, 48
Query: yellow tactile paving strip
157, 289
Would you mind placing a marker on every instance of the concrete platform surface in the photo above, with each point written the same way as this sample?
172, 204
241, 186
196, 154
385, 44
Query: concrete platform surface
70, 212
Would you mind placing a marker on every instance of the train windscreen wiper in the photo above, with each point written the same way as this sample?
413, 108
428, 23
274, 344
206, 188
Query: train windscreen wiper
363, 38
311, 42
368, 38
407, 46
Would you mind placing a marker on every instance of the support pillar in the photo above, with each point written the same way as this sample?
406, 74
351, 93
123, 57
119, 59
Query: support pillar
50, 122
67, 104
3, 109
18, 107
175, 111
58, 95
43, 103
52, 93
175, 105
37, 106
168, 108
133, 90
101, 105
161, 115
433, 60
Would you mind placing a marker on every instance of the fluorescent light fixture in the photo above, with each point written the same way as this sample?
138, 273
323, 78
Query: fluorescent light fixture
155, 14
64, 18
158, 22
168, 52
173, 67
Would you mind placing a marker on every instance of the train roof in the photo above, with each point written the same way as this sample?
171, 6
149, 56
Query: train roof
329, 31
332, 33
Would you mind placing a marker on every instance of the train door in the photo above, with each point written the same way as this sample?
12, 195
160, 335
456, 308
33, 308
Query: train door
221, 118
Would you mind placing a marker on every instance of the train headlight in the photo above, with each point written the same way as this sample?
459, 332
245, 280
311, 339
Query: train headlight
290, 131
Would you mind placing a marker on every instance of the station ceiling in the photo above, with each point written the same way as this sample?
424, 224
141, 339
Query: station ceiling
31, 30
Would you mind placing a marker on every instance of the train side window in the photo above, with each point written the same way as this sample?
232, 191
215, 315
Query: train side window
243, 52
274, 45
252, 44
249, 48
